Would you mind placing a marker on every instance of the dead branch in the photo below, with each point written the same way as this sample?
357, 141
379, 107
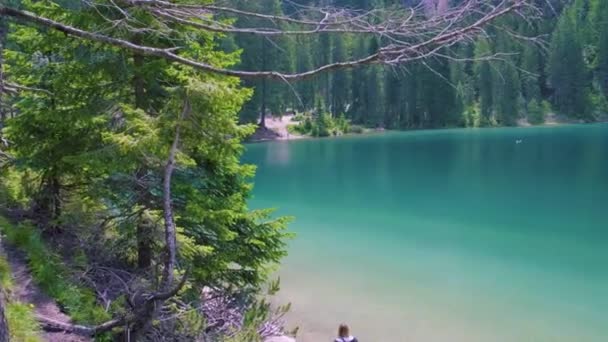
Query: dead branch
141, 312
13, 88
49, 324
412, 35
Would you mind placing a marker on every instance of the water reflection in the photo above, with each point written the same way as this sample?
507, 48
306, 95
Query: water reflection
462, 229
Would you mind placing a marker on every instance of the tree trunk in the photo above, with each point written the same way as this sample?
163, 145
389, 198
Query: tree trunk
170, 231
144, 242
263, 109
153, 307
47, 205
56, 196
262, 123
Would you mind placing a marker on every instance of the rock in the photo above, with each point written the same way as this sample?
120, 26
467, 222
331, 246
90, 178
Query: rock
280, 339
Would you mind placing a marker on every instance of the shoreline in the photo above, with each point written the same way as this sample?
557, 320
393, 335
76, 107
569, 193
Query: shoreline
276, 128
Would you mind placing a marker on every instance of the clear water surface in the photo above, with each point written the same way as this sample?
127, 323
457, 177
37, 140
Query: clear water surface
450, 235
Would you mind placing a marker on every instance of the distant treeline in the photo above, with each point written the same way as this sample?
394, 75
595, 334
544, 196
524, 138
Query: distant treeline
564, 71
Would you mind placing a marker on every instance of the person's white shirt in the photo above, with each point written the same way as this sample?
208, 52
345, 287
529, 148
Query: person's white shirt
345, 339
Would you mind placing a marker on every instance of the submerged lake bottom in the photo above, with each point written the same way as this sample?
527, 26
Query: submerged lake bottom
447, 235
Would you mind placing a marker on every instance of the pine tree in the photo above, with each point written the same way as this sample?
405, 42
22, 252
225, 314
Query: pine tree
483, 74
306, 88
506, 87
340, 80
358, 111
568, 76
324, 56
530, 80
602, 49
394, 97
265, 53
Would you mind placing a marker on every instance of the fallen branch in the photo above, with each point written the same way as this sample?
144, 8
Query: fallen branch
49, 324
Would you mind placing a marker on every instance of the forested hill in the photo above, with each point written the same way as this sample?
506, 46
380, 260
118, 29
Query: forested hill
565, 71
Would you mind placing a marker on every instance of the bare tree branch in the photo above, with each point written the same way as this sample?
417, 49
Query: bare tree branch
412, 36
14, 88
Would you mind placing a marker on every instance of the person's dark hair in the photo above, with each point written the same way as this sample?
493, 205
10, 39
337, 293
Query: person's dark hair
343, 330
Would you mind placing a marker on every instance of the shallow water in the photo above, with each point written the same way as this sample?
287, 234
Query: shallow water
450, 235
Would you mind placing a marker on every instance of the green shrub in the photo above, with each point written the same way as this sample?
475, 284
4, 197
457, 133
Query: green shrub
546, 107
342, 126
6, 281
471, 117
293, 129
307, 126
600, 103
536, 114
323, 126
356, 129
15, 188
299, 117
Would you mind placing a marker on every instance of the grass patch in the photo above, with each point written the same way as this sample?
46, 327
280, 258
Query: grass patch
6, 282
52, 276
22, 325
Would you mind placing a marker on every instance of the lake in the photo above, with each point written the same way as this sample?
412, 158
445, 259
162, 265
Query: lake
444, 235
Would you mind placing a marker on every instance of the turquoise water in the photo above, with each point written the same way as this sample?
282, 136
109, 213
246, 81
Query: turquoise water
451, 235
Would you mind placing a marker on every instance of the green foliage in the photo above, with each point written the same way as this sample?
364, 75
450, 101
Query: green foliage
259, 312
6, 280
90, 152
265, 53
568, 73
536, 114
323, 125
98, 149
471, 117
299, 117
507, 94
16, 188
22, 323
484, 78
356, 129
602, 48
342, 125
52, 276
497, 74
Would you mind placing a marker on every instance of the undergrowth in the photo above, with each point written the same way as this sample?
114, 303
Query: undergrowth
52, 276
22, 324
6, 282
322, 125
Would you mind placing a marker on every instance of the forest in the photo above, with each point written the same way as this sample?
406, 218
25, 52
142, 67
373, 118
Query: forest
562, 68
123, 124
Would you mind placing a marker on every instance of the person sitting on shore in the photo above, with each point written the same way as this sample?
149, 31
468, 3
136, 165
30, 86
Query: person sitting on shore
344, 334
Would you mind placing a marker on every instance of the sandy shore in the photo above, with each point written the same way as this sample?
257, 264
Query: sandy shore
277, 128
